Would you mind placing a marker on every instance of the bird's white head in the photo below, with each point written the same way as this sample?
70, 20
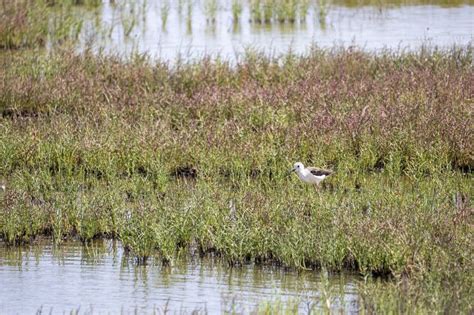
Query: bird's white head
297, 167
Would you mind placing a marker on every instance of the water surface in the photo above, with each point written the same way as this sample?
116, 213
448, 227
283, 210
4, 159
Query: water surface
185, 29
102, 279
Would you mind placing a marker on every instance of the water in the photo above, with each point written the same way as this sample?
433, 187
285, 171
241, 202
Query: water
102, 279
188, 31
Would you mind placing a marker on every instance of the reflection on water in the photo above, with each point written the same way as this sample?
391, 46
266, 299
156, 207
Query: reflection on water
188, 29
102, 278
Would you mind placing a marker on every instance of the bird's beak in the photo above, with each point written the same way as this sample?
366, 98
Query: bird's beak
291, 171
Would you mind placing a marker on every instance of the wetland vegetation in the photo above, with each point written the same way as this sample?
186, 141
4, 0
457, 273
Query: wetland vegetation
194, 157
92, 146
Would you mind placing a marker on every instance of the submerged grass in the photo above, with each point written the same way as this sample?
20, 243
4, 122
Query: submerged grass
196, 155
28, 24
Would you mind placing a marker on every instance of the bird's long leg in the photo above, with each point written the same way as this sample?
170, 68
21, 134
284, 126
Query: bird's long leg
316, 187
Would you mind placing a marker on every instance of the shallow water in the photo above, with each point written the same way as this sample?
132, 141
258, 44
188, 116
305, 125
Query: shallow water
189, 32
102, 279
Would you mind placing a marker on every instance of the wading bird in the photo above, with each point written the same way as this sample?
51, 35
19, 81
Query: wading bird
310, 175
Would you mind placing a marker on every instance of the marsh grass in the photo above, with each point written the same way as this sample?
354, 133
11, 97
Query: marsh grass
236, 11
210, 10
32, 24
165, 11
323, 10
91, 145
189, 18
255, 11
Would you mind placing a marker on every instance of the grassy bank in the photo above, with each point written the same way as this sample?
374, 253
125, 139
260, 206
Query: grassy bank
155, 155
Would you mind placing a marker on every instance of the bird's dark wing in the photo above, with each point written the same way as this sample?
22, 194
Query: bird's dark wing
319, 171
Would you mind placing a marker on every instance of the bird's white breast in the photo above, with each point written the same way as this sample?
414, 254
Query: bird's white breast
309, 178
